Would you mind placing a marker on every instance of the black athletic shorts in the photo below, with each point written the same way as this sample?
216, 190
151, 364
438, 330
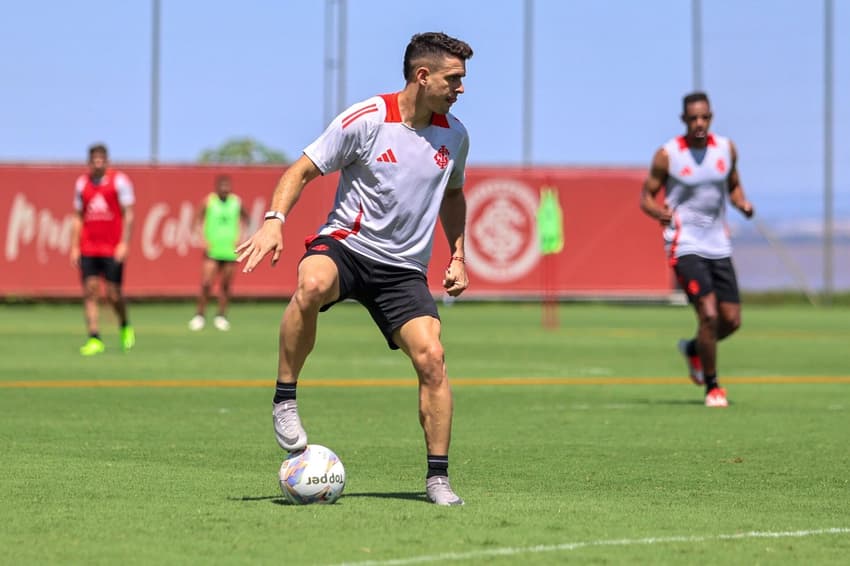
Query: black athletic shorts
392, 295
106, 267
219, 262
699, 276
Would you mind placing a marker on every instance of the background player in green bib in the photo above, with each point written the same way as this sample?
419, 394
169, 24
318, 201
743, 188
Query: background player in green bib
221, 216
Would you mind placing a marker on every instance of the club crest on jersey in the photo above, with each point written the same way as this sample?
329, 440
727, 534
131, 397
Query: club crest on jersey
442, 157
721, 165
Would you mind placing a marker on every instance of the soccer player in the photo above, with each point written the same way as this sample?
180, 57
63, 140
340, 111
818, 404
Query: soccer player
699, 174
401, 158
221, 216
100, 242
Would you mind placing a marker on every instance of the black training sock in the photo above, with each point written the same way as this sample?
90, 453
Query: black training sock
437, 466
710, 381
94, 335
284, 392
691, 347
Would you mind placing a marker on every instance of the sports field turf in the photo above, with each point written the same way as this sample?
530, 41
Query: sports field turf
586, 444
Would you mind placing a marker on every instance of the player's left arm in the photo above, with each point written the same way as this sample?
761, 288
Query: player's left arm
126, 198
244, 220
453, 219
123, 247
736, 192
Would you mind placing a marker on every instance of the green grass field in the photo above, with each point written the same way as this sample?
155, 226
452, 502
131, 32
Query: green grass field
586, 444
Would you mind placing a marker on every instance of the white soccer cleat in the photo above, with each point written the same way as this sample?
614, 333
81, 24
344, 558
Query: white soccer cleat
439, 491
197, 323
221, 323
287, 426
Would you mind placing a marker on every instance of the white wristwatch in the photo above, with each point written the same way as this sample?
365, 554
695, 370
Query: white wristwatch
274, 214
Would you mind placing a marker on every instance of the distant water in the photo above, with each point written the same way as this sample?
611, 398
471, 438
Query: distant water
792, 265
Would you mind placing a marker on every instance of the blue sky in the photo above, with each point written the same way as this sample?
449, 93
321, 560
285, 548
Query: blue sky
608, 80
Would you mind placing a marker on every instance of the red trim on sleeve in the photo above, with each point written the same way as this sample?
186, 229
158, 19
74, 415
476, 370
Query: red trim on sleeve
348, 120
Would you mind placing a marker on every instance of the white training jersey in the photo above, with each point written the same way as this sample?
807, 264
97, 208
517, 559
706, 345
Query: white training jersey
392, 179
697, 191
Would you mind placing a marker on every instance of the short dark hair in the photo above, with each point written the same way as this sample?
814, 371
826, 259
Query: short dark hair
432, 44
222, 177
98, 148
694, 97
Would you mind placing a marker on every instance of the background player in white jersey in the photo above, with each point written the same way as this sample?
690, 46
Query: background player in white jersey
401, 159
699, 174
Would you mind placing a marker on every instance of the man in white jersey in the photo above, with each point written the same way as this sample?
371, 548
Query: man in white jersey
401, 159
699, 174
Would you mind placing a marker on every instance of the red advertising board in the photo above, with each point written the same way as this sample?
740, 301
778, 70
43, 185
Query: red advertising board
611, 248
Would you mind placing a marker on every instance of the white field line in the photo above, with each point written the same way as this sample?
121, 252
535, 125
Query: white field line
565, 547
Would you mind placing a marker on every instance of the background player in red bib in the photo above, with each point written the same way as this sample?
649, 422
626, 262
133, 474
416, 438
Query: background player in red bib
100, 241
401, 158
699, 174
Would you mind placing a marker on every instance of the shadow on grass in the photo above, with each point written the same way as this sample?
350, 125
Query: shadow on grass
280, 500
673, 402
409, 496
255, 498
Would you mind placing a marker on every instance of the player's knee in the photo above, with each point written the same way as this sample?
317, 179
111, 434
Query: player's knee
708, 319
113, 295
312, 291
429, 362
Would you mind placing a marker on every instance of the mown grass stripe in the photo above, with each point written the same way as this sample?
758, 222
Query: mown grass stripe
565, 547
409, 382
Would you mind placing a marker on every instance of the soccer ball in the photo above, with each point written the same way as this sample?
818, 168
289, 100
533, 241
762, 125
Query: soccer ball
313, 475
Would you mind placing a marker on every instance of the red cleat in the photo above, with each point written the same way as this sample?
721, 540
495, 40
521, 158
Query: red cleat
716, 398
694, 364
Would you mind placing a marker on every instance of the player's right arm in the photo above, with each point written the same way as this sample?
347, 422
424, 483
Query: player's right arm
76, 228
200, 214
654, 182
269, 237
77, 223
198, 223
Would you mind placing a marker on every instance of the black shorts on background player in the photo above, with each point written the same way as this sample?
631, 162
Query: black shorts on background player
111, 270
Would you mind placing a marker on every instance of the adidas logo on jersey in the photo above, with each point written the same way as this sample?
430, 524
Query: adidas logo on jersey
388, 157
98, 205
